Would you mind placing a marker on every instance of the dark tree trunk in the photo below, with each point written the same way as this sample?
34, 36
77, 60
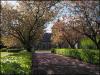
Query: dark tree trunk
72, 46
93, 38
28, 47
97, 44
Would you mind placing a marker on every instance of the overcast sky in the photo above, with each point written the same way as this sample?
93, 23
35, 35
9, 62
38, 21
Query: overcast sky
10, 2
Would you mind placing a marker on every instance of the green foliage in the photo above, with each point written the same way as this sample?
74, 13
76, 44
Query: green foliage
89, 56
13, 50
10, 50
52, 50
3, 50
87, 43
16, 64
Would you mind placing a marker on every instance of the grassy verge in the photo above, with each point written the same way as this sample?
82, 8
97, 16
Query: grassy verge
89, 56
15, 63
3, 54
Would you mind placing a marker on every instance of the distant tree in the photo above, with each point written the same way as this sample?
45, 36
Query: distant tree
62, 33
72, 37
57, 33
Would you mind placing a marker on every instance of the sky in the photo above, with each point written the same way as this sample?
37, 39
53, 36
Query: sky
65, 10
11, 2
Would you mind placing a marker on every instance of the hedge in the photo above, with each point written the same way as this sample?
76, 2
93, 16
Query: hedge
86, 55
10, 50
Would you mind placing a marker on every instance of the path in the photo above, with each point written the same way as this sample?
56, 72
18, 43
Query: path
60, 65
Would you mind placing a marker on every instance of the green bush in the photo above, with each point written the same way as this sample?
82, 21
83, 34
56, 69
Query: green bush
89, 56
52, 50
10, 50
3, 50
13, 50
87, 43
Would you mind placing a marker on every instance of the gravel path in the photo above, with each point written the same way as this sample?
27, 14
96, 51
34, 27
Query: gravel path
48, 64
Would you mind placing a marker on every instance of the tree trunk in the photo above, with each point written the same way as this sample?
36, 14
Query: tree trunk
28, 47
72, 46
97, 44
93, 38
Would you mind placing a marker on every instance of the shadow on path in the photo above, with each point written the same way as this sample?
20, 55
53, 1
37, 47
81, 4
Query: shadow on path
48, 64
35, 66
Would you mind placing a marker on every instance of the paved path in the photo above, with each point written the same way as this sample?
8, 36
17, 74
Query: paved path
42, 51
47, 63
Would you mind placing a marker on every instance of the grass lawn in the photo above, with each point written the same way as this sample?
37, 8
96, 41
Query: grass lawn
15, 63
3, 54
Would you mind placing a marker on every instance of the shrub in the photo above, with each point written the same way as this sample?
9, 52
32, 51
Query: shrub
3, 50
13, 50
89, 56
52, 50
10, 50
87, 43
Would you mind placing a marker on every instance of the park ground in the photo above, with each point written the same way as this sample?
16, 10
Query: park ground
45, 62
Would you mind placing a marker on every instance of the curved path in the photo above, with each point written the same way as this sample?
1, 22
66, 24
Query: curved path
48, 63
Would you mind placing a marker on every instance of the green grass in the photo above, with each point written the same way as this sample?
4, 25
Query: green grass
3, 54
88, 56
15, 63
